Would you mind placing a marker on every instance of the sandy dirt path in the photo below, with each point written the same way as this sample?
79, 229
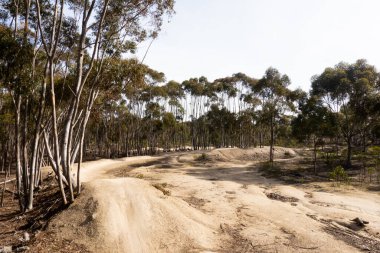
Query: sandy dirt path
178, 203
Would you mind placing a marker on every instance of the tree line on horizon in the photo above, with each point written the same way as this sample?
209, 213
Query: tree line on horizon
71, 91
342, 108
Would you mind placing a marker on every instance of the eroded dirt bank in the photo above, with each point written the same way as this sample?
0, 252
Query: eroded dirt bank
181, 202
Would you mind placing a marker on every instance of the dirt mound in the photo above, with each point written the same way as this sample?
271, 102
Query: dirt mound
129, 215
252, 154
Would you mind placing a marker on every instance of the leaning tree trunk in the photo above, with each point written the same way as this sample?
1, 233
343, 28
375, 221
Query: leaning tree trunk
55, 133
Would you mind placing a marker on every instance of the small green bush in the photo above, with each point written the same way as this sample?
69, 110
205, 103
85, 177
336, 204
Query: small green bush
339, 174
375, 150
203, 158
161, 187
371, 171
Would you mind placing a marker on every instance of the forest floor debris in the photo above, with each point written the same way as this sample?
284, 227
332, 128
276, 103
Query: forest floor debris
17, 229
277, 196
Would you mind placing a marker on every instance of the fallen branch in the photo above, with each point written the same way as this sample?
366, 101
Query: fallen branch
260, 245
301, 247
8, 181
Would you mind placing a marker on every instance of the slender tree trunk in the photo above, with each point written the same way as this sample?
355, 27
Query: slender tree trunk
349, 152
35, 150
55, 132
79, 166
315, 155
18, 150
38, 178
3, 191
25, 178
271, 155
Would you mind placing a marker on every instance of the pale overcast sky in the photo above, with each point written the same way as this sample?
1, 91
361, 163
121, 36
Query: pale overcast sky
217, 38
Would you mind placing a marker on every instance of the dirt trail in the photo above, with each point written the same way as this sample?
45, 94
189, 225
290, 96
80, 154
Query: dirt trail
180, 203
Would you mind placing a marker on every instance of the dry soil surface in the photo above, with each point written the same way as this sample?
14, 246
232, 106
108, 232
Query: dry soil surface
183, 202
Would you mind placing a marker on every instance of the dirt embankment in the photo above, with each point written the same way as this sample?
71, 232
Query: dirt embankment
129, 215
180, 203
253, 154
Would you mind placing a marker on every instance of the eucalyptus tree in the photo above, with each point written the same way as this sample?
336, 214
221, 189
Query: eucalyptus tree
6, 139
248, 103
71, 42
128, 89
314, 122
197, 90
247, 129
221, 123
235, 94
375, 117
175, 94
18, 79
272, 89
244, 85
346, 90
226, 90
137, 95
107, 29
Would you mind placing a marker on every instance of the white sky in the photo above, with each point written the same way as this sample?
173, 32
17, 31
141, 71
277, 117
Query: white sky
300, 38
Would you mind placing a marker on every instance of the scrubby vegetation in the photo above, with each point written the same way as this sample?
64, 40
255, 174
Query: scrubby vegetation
339, 174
